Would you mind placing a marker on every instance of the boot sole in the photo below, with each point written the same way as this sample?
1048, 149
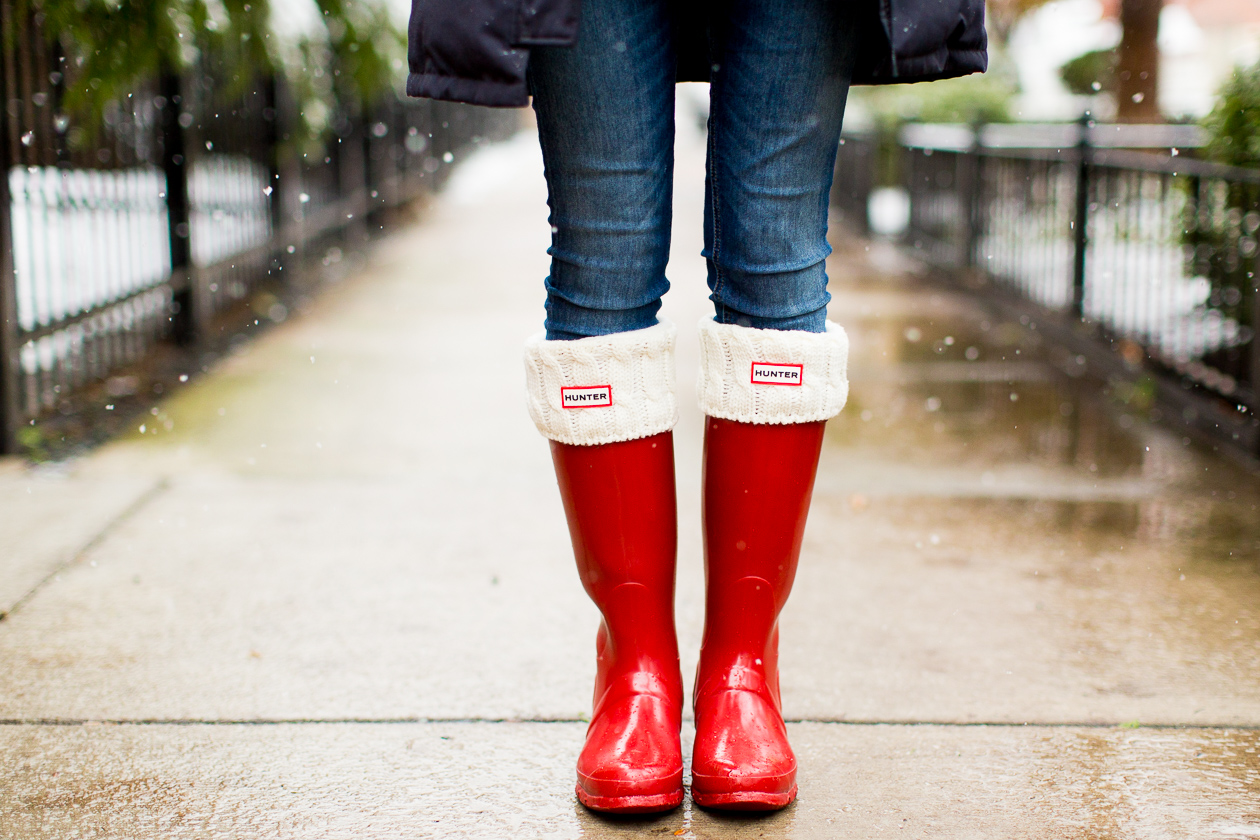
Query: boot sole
638, 804
742, 800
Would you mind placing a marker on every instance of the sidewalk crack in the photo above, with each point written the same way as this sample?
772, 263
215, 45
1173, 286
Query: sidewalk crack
396, 721
159, 487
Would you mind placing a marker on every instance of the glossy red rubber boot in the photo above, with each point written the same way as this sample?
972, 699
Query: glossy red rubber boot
620, 502
757, 485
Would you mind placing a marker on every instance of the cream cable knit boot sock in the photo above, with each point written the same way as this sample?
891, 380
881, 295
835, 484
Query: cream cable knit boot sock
772, 376
602, 389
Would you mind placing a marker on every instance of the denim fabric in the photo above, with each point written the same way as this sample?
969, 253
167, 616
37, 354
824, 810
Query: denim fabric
780, 75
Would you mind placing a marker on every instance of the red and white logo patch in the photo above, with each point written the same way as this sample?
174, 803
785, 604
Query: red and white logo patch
586, 396
770, 373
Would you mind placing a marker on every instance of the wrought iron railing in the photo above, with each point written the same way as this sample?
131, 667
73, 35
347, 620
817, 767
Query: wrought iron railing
1150, 253
178, 207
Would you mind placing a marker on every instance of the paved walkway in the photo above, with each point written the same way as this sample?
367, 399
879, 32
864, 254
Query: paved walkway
328, 591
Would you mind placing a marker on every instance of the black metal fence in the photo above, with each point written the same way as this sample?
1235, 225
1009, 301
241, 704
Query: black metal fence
1150, 254
855, 178
188, 197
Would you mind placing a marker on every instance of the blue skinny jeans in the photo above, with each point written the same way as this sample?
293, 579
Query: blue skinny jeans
780, 74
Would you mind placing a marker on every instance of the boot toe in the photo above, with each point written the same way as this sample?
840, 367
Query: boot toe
632, 761
742, 759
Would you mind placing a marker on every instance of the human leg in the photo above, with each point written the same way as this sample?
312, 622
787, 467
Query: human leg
766, 395
780, 81
772, 371
754, 519
605, 110
620, 503
600, 381
607, 404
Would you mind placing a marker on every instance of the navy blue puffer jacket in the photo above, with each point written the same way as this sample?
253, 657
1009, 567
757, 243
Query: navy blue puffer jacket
477, 50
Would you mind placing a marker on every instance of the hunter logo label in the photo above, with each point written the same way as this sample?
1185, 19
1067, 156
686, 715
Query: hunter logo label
587, 396
769, 373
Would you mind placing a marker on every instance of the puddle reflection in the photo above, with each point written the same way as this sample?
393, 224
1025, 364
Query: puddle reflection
934, 381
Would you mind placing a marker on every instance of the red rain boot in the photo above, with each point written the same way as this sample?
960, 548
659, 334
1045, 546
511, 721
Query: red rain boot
757, 485
620, 503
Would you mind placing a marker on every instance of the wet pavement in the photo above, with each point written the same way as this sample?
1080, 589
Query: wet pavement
327, 591
514, 780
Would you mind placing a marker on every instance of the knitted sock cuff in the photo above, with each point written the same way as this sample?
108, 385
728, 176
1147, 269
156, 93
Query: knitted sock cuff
772, 376
602, 389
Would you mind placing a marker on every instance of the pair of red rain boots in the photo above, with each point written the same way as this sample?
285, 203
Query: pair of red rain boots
619, 501
617, 485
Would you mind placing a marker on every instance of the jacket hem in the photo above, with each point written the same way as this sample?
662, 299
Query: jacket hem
945, 63
489, 92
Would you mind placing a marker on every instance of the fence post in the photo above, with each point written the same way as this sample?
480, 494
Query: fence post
1080, 224
372, 181
397, 149
10, 130
351, 160
10, 416
271, 150
971, 190
1253, 376
286, 200
175, 120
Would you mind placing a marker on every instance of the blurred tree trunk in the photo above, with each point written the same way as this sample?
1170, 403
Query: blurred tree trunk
1137, 74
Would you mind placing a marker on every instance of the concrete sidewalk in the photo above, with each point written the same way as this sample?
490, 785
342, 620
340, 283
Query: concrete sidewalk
328, 591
